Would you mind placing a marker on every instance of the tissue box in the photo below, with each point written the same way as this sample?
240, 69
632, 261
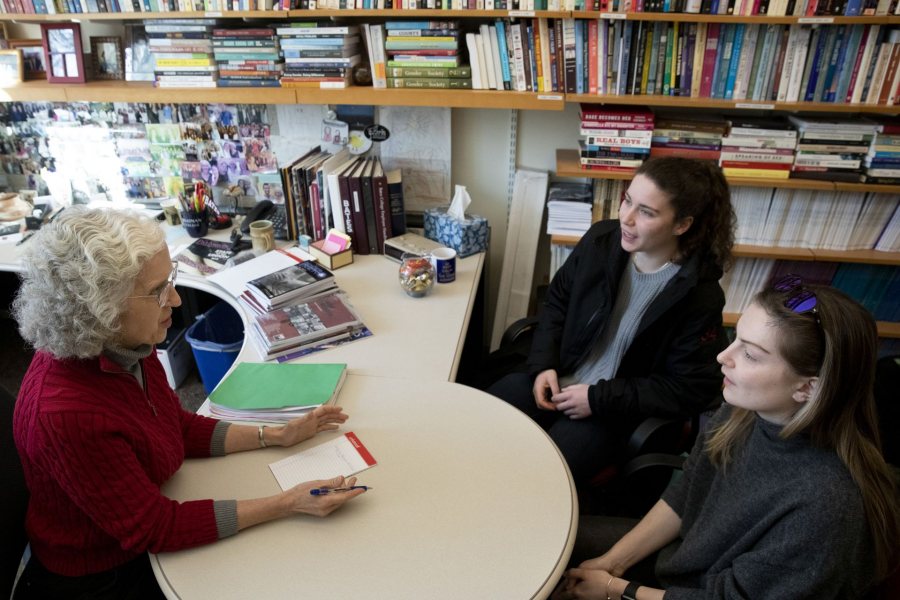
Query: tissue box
466, 237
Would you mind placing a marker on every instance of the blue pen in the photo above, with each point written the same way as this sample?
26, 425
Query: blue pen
326, 491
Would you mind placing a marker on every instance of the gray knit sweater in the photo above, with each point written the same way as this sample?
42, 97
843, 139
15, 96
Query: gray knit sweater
783, 520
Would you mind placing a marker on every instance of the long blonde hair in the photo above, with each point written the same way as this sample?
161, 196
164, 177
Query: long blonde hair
838, 344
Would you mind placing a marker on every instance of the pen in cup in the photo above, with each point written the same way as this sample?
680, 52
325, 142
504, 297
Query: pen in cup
326, 491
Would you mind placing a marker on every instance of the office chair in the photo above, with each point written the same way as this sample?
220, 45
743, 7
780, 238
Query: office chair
13, 498
631, 485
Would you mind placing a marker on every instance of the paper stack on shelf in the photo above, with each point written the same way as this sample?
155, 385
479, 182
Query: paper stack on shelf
569, 208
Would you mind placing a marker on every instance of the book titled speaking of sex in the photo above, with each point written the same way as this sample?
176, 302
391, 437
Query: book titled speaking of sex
300, 280
204, 257
305, 322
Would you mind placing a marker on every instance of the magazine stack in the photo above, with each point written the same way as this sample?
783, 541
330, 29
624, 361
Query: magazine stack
300, 281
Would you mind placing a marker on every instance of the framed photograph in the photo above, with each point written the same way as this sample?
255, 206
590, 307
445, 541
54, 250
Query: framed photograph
107, 58
10, 66
62, 52
32, 57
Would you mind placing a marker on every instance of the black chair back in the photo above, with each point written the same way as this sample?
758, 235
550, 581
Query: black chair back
13, 498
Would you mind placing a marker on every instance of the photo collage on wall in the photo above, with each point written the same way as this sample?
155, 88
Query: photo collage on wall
23, 145
227, 147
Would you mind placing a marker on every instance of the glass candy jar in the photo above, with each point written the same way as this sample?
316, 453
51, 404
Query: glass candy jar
416, 274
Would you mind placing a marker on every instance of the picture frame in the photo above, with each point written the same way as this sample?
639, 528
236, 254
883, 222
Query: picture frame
63, 55
32, 58
107, 57
11, 70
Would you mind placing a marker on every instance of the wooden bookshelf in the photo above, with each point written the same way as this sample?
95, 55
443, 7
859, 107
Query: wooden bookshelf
140, 16
429, 14
886, 329
568, 165
142, 91
869, 257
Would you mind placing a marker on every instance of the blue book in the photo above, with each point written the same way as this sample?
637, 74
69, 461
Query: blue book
735, 61
843, 84
529, 34
714, 7
420, 25
837, 65
622, 84
723, 58
504, 54
829, 65
814, 71
853, 8
579, 62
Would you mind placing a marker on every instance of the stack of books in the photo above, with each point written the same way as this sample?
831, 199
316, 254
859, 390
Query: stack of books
569, 208
182, 51
883, 160
318, 55
830, 149
423, 44
616, 139
758, 148
688, 137
300, 281
305, 324
247, 57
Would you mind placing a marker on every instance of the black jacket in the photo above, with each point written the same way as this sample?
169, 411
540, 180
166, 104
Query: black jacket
670, 369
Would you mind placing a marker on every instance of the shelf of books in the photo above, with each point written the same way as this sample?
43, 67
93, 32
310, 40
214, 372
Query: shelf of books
763, 19
715, 104
137, 91
139, 16
568, 165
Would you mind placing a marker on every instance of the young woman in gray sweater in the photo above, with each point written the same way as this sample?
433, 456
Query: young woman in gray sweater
787, 494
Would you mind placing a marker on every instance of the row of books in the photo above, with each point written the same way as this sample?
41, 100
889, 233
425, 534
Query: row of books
800, 218
352, 194
855, 64
859, 150
876, 287
736, 7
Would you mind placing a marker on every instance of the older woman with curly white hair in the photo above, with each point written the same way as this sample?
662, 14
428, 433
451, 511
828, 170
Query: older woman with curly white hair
97, 427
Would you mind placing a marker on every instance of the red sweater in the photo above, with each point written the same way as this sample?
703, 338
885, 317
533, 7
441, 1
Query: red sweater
95, 450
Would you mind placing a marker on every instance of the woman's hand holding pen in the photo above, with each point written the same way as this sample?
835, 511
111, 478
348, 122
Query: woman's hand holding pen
546, 385
300, 500
323, 418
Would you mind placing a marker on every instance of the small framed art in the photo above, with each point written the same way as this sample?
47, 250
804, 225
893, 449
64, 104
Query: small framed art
32, 57
107, 58
62, 52
10, 66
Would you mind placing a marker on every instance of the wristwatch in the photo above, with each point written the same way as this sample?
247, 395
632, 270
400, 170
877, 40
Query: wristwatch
630, 592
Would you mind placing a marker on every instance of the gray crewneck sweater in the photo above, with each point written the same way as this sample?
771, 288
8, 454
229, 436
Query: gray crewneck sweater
783, 520
636, 292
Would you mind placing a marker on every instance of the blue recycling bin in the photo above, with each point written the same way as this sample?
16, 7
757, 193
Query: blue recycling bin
216, 338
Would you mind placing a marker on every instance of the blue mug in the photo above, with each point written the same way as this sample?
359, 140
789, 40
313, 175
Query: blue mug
444, 261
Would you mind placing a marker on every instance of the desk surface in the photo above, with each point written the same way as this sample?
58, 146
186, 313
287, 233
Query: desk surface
419, 338
471, 499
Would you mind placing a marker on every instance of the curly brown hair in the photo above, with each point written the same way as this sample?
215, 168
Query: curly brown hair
698, 189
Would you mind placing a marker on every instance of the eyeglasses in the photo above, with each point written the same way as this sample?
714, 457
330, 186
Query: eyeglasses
799, 299
162, 296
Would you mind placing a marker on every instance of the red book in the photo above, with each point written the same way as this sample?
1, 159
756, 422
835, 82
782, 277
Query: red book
656, 151
347, 200
743, 164
857, 61
709, 60
593, 26
619, 114
360, 235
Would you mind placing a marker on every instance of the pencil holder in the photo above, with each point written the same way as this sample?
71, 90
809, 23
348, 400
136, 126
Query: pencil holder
196, 224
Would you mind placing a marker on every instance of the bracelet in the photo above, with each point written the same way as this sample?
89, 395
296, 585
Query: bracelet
607, 587
262, 440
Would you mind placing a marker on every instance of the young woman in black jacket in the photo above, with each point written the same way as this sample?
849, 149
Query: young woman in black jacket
632, 322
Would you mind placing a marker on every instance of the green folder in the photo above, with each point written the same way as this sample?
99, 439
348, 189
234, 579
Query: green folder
273, 386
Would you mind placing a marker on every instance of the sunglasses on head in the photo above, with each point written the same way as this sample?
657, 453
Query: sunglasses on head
798, 299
